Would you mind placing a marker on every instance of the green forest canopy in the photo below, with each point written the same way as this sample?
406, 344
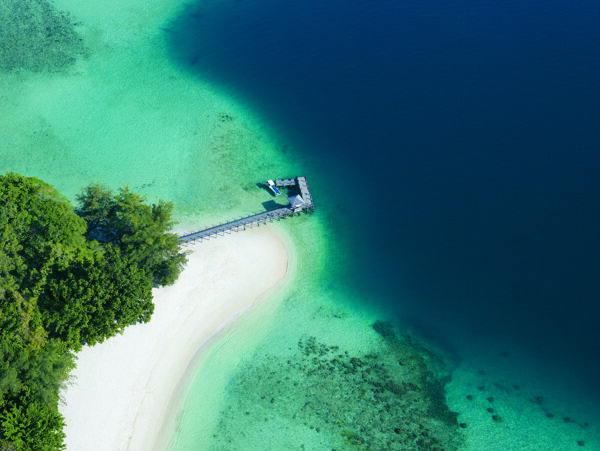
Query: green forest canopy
69, 276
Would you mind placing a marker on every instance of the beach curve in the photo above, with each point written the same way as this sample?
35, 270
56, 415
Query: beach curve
121, 391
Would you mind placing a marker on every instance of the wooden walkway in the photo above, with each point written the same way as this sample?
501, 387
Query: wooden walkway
258, 218
302, 185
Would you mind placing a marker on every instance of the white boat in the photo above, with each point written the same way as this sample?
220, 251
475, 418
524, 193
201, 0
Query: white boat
273, 188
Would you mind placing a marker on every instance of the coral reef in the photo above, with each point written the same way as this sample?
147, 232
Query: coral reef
35, 36
393, 398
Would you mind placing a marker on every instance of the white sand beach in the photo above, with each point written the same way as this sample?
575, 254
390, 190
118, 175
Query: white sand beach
129, 113
120, 392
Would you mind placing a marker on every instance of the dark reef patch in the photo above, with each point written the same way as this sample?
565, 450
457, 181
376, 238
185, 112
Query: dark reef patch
348, 400
36, 36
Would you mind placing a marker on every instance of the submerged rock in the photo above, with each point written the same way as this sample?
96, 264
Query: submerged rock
343, 400
36, 36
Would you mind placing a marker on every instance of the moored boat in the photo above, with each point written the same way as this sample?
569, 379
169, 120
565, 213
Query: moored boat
273, 188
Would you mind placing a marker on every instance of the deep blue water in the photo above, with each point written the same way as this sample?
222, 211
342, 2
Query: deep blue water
454, 144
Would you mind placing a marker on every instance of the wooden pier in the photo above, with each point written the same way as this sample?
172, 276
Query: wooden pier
305, 203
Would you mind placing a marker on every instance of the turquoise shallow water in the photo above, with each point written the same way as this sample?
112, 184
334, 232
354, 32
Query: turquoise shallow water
457, 146
128, 114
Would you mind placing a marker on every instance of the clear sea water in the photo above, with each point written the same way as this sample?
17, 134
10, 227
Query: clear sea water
452, 148
457, 144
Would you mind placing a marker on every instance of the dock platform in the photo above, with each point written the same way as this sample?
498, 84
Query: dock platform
299, 184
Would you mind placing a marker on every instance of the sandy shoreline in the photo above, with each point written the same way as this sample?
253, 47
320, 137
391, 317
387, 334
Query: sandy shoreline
121, 390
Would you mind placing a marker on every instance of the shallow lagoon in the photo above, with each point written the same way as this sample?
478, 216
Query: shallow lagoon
131, 113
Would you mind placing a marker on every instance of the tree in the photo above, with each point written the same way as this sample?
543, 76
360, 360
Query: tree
139, 230
28, 424
95, 297
37, 227
69, 278
32, 370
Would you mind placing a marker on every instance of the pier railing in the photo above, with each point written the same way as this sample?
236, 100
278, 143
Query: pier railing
258, 218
